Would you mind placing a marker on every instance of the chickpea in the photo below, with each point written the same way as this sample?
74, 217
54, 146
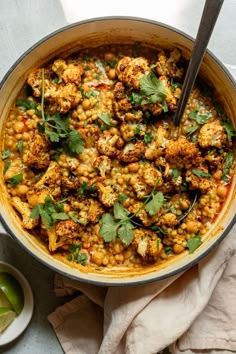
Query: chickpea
133, 167
98, 257
217, 175
105, 261
178, 248
120, 143
184, 204
191, 226
112, 74
222, 191
109, 56
86, 104
25, 136
21, 189
18, 127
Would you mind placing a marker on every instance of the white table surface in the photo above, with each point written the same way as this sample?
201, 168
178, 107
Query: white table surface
22, 23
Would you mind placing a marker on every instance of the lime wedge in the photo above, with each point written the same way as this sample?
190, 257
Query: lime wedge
6, 317
12, 291
4, 302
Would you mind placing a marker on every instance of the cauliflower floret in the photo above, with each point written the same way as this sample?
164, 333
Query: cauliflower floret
36, 154
157, 145
106, 195
35, 81
142, 215
89, 210
119, 90
51, 179
140, 187
132, 152
37, 196
170, 98
202, 183
167, 66
133, 116
67, 228
25, 211
168, 219
147, 244
212, 134
70, 182
152, 176
130, 130
103, 164
90, 135
182, 152
71, 72
62, 98
106, 144
130, 70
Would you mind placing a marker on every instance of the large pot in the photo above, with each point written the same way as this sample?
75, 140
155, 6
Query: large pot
91, 33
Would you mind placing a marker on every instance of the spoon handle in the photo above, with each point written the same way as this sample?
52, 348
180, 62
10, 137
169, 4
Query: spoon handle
208, 20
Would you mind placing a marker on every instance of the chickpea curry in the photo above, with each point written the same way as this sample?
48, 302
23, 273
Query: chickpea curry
95, 168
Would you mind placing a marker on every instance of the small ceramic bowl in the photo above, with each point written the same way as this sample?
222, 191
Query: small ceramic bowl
19, 324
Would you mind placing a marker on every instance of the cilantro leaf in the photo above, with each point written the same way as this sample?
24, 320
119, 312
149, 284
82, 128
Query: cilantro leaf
120, 213
122, 198
201, 173
105, 117
108, 228
148, 137
175, 173
53, 136
229, 129
19, 146
81, 258
194, 243
200, 118
84, 189
60, 216
191, 129
75, 142
6, 166
125, 232
27, 104
168, 250
5, 154
153, 88
156, 202
228, 162
16, 179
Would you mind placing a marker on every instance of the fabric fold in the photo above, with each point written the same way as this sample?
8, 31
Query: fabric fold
190, 312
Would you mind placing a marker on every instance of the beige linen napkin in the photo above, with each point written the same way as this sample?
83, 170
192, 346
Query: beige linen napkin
194, 312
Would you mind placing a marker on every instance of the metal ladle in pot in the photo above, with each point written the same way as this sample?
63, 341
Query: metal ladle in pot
209, 16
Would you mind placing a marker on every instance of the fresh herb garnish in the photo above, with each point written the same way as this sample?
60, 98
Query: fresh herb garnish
118, 225
148, 137
5, 154
16, 179
84, 189
229, 129
105, 117
201, 173
27, 105
57, 80
192, 129
174, 85
152, 88
57, 128
122, 198
193, 243
167, 250
175, 174
228, 160
156, 201
19, 146
48, 213
6, 166
200, 118
76, 256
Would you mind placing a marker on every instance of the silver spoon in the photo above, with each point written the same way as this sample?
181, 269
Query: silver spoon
208, 20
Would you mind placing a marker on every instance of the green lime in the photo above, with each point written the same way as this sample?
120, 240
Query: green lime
13, 291
6, 317
4, 302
